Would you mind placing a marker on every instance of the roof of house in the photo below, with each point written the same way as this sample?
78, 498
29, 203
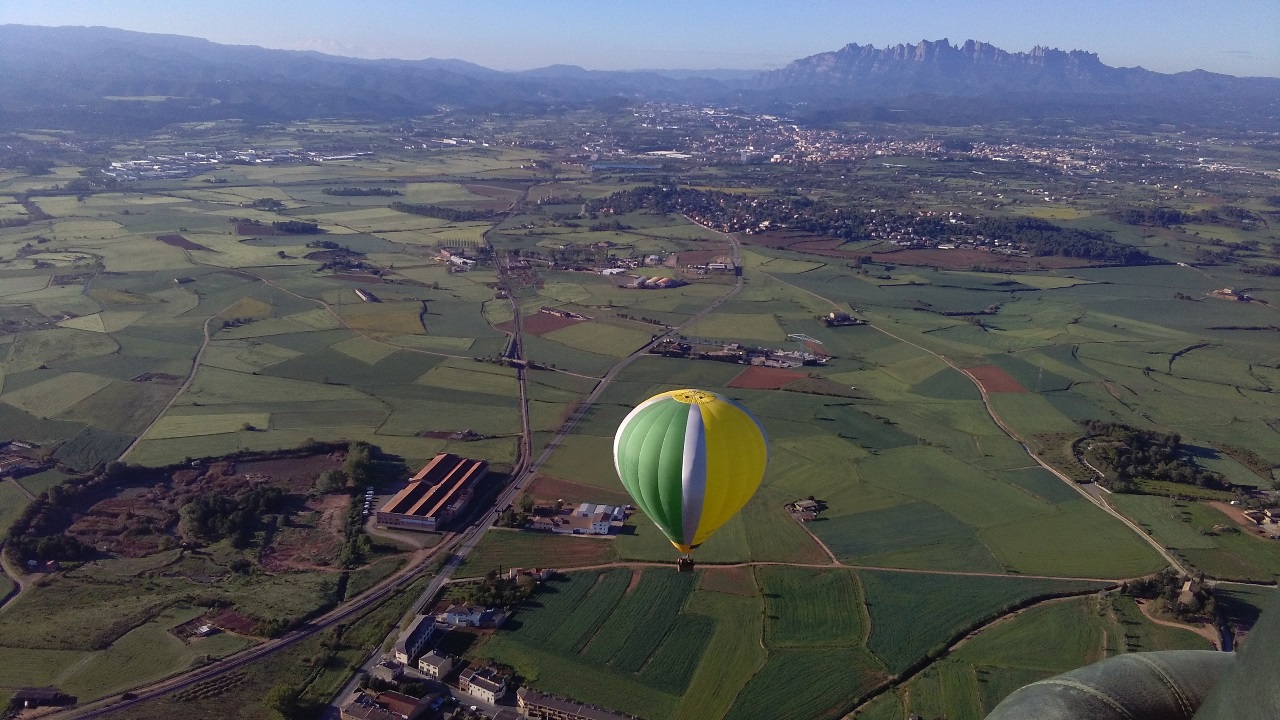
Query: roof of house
486, 679
31, 693
435, 659
567, 706
398, 703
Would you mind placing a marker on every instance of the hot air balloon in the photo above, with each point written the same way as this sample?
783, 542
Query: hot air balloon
691, 459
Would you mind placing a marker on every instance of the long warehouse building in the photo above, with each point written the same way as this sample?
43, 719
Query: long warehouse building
437, 494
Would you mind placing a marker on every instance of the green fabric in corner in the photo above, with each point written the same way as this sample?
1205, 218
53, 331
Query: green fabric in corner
1251, 688
1167, 685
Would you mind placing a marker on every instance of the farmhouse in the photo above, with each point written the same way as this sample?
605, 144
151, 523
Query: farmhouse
840, 319
586, 519
436, 495
537, 706
414, 638
485, 684
30, 697
477, 616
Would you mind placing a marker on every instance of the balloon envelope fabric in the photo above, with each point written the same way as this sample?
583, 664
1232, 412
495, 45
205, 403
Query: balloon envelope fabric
691, 459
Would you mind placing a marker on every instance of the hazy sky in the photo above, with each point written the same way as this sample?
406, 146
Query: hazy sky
1240, 37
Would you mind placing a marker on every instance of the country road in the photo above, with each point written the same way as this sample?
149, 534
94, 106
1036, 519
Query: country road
1013, 435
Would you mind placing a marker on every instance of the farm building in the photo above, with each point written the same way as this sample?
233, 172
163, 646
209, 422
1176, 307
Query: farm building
586, 519
30, 697
367, 296
538, 706
436, 495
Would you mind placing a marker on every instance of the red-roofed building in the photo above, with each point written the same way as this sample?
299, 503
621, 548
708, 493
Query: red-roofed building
437, 494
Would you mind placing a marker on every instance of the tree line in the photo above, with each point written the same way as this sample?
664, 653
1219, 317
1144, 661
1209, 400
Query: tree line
440, 212
361, 192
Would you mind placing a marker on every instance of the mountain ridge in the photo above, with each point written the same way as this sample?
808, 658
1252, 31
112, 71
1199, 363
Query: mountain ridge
69, 77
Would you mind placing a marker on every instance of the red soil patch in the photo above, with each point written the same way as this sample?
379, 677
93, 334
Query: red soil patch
551, 488
540, 323
701, 257
180, 242
994, 379
734, 581
493, 191
232, 621
765, 378
817, 348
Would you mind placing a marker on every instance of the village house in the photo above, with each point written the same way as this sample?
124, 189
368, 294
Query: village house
485, 684
436, 665
384, 706
414, 638
388, 671
539, 706
476, 616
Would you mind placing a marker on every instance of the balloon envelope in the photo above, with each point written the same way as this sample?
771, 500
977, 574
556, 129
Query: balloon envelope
691, 459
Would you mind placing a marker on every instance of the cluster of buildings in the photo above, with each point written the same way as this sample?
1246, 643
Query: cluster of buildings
187, 164
739, 353
440, 491
585, 519
1268, 521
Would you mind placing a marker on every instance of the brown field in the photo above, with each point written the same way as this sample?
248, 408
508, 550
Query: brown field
765, 378
700, 257
735, 581
310, 548
233, 622
550, 488
133, 522
995, 380
180, 242
366, 279
540, 323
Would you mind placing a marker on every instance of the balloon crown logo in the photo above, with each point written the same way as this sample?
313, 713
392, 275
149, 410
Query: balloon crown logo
693, 397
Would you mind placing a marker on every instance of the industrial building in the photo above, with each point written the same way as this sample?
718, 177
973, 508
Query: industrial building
437, 494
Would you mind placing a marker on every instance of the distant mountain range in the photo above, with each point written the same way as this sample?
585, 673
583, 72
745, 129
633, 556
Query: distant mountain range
980, 68
80, 77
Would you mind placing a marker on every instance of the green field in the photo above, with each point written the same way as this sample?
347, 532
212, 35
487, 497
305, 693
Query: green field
913, 615
806, 607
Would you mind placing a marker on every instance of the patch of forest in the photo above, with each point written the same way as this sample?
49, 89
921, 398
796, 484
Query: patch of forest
739, 213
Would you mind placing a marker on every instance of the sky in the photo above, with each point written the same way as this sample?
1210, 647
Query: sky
1238, 37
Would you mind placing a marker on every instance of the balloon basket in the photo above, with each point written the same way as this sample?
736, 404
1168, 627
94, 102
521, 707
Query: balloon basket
684, 564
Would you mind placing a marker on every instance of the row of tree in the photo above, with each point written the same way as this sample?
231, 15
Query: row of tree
440, 212
361, 192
